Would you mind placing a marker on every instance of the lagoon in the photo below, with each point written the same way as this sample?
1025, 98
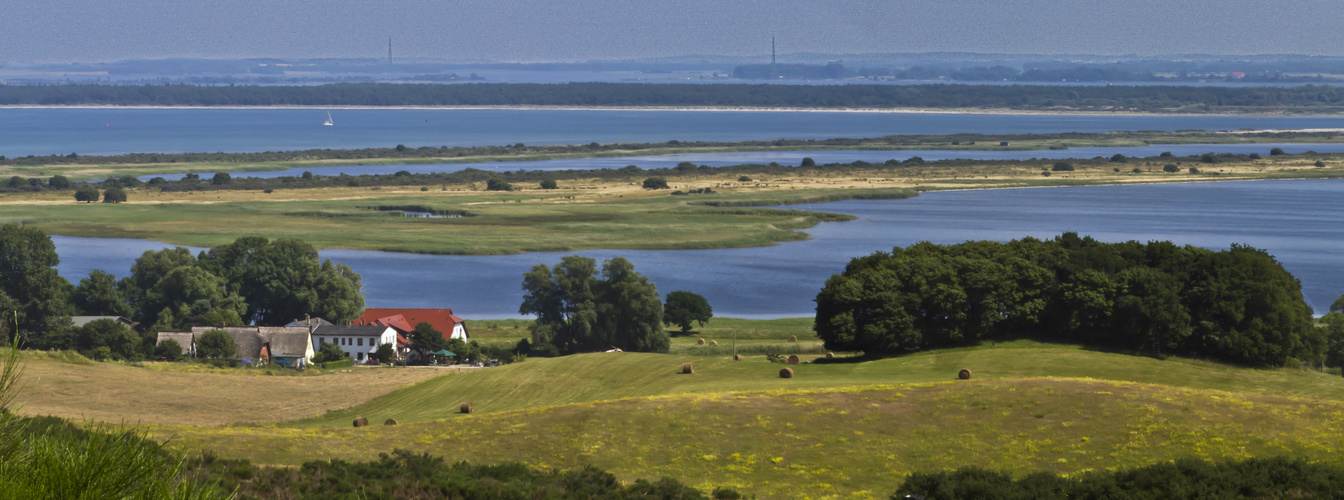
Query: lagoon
112, 130
1301, 222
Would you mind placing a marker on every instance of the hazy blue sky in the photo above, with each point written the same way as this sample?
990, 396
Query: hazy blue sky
566, 30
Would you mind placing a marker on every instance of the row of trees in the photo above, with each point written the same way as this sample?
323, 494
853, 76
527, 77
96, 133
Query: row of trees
1148, 98
250, 281
1236, 305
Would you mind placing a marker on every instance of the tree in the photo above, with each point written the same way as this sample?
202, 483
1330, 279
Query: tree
1119, 158
384, 354
682, 308
221, 179
86, 194
577, 312
809, 162
1276, 152
1061, 166
744, 179
655, 183
146, 272
549, 184
1320, 164
425, 339
191, 296
29, 285
498, 185
1171, 168
119, 340
169, 350
1337, 305
216, 344
114, 195
58, 182
98, 295
283, 279
328, 351
1194, 170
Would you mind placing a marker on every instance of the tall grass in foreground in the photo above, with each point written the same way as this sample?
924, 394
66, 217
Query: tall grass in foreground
43, 458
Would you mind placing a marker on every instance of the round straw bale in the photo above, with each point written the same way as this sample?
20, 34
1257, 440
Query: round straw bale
687, 369
713, 342
964, 374
793, 359
361, 422
830, 355
390, 421
700, 342
786, 373
737, 357
467, 407
793, 338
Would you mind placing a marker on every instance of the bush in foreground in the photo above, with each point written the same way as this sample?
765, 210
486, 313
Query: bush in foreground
1185, 478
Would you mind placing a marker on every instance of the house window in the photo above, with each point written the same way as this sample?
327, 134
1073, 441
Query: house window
361, 356
361, 342
320, 340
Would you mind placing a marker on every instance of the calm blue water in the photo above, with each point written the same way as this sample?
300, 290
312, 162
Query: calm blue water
102, 131
1300, 222
789, 158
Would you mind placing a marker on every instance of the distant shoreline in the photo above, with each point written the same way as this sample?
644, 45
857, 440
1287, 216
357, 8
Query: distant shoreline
731, 109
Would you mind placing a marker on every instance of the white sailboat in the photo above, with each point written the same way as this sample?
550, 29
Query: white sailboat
328, 122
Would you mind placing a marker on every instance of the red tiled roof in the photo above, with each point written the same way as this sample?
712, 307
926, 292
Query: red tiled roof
442, 320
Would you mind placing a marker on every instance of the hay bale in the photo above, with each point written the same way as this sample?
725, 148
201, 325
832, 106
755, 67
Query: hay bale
390, 421
713, 342
964, 374
700, 342
830, 355
786, 373
793, 338
737, 357
361, 422
793, 359
687, 369
467, 407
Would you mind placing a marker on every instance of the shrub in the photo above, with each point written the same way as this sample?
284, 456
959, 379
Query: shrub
744, 179
1061, 166
1119, 158
216, 344
1194, 170
498, 185
1254, 156
549, 184
114, 195
169, 350
808, 162
655, 183
1171, 168
1276, 152
1320, 164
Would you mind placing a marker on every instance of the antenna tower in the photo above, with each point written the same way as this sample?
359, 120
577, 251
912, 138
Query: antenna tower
772, 50
389, 50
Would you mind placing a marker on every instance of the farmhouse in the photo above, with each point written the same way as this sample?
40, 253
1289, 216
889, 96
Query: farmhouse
291, 346
358, 342
404, 320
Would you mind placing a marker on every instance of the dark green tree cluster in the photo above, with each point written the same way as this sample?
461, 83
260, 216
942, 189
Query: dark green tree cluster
577, 311
1183, 478
1237, 305
682, 308
253, 280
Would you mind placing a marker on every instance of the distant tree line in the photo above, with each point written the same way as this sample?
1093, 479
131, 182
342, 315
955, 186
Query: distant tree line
1236, 305
402, 151
1097, 98
253, 280
515, 179
1001, 73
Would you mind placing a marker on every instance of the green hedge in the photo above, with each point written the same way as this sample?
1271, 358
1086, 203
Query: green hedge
344, 363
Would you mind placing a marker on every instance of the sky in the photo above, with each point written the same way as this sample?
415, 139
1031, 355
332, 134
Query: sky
578, 30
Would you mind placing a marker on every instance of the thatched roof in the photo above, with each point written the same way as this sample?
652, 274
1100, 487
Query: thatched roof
286, 340
184, 339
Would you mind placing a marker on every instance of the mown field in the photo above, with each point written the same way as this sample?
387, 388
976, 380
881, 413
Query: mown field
843, 429
581, 214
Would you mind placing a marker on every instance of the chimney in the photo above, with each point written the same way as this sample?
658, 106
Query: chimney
307, 319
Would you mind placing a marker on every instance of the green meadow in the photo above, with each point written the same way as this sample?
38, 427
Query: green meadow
840, 429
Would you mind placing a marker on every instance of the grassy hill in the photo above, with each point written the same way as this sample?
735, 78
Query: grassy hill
604, 376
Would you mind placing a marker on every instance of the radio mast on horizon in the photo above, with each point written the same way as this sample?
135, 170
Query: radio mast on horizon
389, 50
772, 50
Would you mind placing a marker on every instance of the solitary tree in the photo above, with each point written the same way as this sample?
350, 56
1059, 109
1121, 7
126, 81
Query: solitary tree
221, 178
1062, 166
682, 308
809, 162
169, 350
578, 312
655, 183
114, 195
425, 339
1276, 152
58, 182
498, 185
86, 194
549, 184
384, 354
1171, 168
216, 344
